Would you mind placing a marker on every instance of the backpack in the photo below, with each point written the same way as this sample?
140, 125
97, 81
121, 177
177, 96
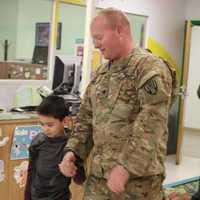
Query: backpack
174, 81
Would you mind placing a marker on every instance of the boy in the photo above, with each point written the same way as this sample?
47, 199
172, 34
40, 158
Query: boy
45, 181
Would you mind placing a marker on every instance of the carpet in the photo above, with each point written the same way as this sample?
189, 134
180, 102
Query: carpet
181, 190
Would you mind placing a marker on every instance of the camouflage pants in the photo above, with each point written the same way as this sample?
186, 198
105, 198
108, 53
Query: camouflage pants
148, 188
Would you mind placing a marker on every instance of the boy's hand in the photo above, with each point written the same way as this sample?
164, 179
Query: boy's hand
67, 166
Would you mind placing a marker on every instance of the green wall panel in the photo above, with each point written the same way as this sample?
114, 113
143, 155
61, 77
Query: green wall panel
8, 26
30, 12
73, 26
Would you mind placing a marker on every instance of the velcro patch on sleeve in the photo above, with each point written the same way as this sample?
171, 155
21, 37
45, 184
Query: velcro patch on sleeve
151, 87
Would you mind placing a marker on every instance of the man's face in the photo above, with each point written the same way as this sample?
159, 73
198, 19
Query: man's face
51, 126
106, 39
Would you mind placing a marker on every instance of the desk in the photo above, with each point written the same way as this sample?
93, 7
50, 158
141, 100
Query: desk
9, 188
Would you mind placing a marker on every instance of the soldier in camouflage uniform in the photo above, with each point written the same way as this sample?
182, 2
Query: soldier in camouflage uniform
123, 116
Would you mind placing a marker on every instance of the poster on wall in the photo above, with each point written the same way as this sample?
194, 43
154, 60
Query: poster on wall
22, 138
42, 35
79, 48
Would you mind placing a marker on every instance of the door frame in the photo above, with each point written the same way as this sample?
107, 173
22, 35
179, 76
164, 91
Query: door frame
183, 85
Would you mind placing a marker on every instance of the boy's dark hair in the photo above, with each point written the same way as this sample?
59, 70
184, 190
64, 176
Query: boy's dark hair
53, 106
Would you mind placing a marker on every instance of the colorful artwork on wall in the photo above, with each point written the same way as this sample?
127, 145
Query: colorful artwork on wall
20, 173
22, 138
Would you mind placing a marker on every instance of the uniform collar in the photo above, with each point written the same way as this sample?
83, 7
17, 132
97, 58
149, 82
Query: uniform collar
120, 64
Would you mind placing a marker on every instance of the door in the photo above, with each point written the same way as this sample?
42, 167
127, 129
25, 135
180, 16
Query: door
184, 86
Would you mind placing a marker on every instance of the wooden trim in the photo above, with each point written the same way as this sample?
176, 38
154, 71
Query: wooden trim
184, 78
192, 129
19, 121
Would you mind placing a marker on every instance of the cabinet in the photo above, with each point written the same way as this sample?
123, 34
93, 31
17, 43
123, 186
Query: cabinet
9, 188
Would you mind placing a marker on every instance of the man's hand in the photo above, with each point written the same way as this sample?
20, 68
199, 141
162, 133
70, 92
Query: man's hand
67, 166
117, 179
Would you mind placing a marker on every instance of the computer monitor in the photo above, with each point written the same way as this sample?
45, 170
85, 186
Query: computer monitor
67, 74
40, 55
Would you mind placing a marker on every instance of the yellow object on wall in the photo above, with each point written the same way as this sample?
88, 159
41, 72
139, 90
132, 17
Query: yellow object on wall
96, 59
78, 2
158, 50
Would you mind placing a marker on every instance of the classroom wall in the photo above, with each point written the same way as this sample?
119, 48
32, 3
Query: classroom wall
192, 9
17, 24
29, 13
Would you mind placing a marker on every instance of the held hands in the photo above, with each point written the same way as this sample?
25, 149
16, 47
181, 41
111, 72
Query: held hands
67, 166
117, 179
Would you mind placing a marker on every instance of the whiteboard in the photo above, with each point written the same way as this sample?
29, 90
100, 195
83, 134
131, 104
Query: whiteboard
192, 103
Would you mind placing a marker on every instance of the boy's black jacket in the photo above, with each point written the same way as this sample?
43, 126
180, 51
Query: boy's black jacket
41, 141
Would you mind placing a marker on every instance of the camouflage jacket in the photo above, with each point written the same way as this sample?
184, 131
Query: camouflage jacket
124, 115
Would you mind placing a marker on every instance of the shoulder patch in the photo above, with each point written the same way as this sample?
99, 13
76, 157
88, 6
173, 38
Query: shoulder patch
151, 87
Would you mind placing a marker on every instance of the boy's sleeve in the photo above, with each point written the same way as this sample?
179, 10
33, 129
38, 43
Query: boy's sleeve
27, 192
80, 176
31, 168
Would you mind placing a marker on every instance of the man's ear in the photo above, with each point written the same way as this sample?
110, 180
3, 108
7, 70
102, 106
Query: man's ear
122, 30
68, 121
119, 29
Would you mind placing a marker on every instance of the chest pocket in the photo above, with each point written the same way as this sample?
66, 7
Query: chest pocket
99, 97
117, 90
128, 92
101, 87
105, 92
127, 103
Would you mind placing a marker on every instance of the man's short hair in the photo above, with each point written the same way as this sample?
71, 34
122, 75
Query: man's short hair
53, 106
115, 17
